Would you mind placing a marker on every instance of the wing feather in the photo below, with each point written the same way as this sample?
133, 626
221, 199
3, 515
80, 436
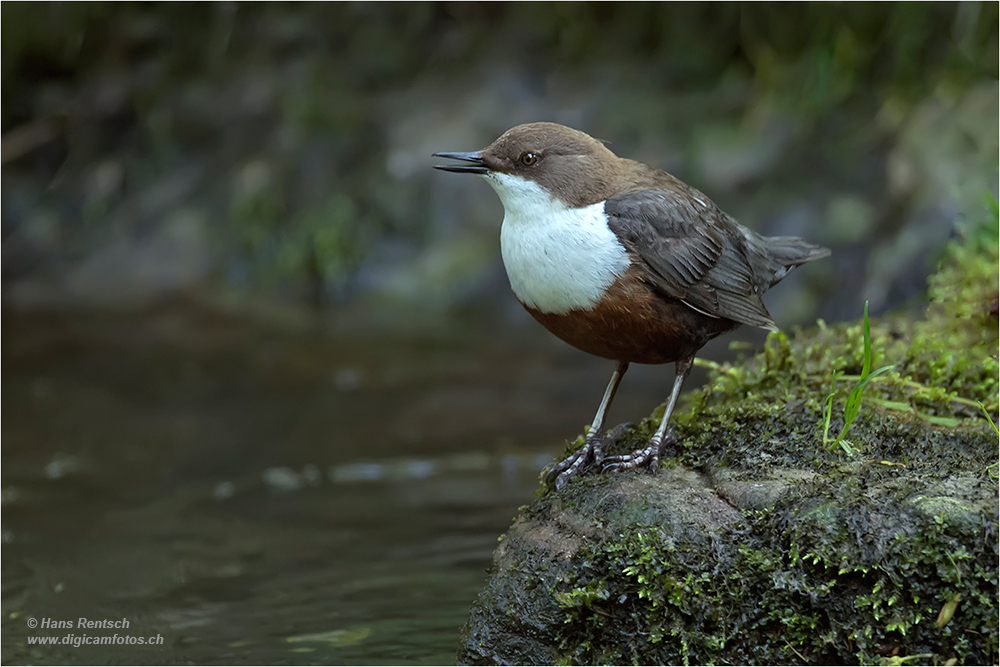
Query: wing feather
696, 255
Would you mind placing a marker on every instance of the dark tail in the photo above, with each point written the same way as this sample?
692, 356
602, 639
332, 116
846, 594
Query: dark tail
786, 252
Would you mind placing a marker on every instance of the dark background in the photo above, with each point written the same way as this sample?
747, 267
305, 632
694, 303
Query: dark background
266, 390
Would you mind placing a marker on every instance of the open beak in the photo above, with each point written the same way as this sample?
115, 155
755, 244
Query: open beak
477, 166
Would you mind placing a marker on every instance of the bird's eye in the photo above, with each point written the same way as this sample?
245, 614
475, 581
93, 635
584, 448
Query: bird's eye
528, 159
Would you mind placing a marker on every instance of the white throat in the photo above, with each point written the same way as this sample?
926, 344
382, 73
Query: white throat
557, 258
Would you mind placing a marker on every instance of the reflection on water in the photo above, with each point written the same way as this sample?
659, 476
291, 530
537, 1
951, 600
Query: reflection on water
254, 496
353, 572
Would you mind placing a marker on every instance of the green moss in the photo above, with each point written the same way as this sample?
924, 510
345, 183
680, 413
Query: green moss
818, 592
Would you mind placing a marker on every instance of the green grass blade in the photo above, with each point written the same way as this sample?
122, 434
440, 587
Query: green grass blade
939, 421
829, 409
853, 405
866, 332
988, 418
892, 405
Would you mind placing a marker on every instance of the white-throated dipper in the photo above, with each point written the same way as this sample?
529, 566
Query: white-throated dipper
623, 261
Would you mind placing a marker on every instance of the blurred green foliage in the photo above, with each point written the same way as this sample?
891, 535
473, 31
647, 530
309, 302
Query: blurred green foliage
315, 70
820, 51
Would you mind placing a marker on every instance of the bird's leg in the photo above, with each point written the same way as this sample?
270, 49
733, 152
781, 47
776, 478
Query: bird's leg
593, 447
650, 455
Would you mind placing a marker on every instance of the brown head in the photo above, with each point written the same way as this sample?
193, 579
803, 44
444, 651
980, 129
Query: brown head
571, 165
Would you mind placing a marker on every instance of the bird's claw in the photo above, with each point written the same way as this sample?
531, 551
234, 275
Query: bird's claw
592, 453
647, 457
573, 464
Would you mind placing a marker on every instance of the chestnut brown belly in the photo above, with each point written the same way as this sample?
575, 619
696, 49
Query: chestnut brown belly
634, 323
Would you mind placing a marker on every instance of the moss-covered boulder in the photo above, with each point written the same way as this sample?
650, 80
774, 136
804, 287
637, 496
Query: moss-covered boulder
781, 530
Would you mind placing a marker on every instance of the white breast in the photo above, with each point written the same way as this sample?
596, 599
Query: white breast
557, 258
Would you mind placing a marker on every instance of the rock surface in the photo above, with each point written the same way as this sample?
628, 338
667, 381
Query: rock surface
781, 566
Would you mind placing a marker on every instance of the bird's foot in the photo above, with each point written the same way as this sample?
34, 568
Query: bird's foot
575, 463
648, 457
592, 452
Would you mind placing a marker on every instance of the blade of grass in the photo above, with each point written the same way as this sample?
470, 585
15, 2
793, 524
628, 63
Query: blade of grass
940, 421
988, 418
892, 405
867, 335
853, 404
829, 410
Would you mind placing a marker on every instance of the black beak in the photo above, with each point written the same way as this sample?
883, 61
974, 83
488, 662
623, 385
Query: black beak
477, 166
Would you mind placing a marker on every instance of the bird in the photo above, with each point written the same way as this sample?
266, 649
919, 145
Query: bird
623, 261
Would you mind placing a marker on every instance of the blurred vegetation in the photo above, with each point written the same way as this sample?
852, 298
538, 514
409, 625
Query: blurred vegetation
287, 96
819, 51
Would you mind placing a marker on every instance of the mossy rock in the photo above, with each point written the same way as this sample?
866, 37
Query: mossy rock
767, 539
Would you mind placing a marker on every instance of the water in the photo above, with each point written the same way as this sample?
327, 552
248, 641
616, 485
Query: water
257, 495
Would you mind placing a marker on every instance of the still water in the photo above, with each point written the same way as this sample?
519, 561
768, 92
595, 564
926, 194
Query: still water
246, 493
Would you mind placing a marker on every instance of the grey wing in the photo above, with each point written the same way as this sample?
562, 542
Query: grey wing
693, 254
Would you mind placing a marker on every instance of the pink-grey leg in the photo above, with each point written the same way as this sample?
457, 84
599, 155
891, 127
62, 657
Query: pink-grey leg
593, 446
650, 455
